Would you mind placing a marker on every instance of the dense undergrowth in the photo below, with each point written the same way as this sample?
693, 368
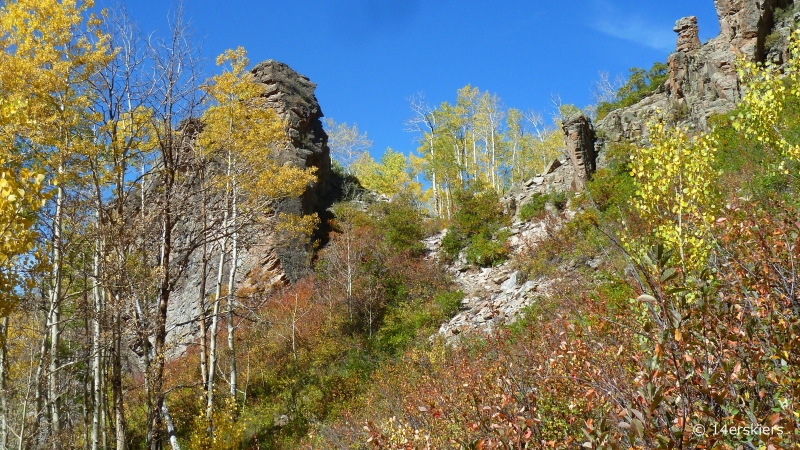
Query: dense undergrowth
687, 336
708, 358
307, 352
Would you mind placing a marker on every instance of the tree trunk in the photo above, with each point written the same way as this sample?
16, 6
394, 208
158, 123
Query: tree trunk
173, 439
160, 335
434, 186
116, 385
55, 316
201, 299
97, 293
212, 346
3, 399
232, 296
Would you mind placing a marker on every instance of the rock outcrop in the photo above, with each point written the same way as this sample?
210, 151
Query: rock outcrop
579, 140
291, 95
274, 258
688, 34
702, 79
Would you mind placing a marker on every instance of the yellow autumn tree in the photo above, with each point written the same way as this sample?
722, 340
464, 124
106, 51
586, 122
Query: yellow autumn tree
389, 176
674, 179
49, 50
762, 110
43, 60
240, 131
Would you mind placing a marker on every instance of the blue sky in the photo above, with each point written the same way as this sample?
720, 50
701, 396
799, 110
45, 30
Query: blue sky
368, 56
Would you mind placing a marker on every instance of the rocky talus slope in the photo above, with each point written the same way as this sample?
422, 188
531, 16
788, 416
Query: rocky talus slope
492, 295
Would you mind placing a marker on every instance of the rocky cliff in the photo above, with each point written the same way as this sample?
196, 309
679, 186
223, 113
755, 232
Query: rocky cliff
291, 95
702, 79
275, 258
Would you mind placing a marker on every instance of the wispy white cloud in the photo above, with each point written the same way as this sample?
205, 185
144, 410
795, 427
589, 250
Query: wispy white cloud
631, 27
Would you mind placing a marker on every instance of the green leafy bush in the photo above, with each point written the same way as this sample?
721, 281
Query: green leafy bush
535, 207
475, 228
485, 252
640, 84
402, 224
405, 322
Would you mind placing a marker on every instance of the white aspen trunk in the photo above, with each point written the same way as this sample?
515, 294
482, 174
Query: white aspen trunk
55, 315
173, 438
475, 156
96, 356
513, 162
3, 399
434, 186
212, 338
212, 348
494, 162
465, 158
201, 300
447, 198
459, 164
231, 294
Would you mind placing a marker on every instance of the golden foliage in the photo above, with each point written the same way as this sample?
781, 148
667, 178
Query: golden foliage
674, 180
240, 128
228, 431
43, 62
768, 88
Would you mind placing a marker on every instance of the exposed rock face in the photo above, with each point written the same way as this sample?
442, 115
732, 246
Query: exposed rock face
702, 79
688, 34
275, 259
777, 42
746, 23
579, 139
291, 95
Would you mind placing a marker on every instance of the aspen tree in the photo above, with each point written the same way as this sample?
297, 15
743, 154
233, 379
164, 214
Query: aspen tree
389, 176
239, 129
674, 179
425, 121
174, 99
46, 60
122, 132
347, 143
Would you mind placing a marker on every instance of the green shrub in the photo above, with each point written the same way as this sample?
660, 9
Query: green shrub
475, 227
640, 84
402, 225
485, 252
404, 323
535, 207
453, 242
558, 199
